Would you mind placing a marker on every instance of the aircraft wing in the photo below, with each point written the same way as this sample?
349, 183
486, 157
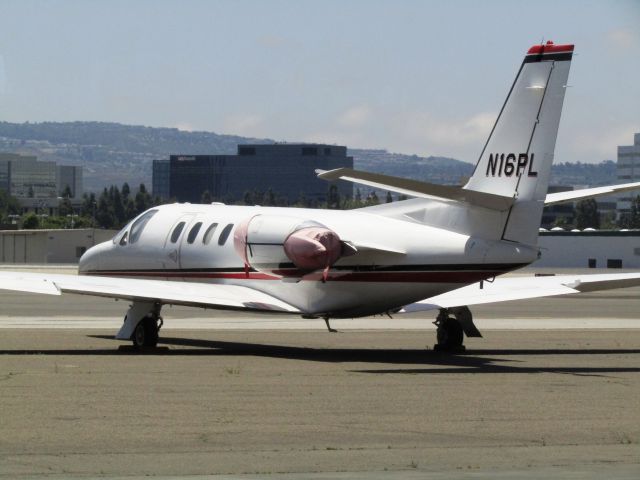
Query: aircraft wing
230, 297
561, 197
415, 188
521, 288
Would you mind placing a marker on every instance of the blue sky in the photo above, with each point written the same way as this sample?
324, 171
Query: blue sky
423, 77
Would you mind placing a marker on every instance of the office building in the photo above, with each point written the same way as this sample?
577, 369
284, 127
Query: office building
39, 185
6, 160
32, 179
628, 167
160, 179
70, 176
288, 170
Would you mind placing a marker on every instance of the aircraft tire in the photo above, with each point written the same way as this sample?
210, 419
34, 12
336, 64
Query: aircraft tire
450, 334
146, 333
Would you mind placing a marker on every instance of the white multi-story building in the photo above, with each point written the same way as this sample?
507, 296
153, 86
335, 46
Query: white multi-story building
628, 171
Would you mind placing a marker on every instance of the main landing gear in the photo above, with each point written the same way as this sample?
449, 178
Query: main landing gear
142, 324
453, 324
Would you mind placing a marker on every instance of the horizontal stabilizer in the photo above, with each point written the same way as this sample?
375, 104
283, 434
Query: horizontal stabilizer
521, 288
416, 188
572, 195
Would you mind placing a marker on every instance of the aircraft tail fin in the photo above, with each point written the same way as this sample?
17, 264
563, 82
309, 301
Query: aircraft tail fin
516, 159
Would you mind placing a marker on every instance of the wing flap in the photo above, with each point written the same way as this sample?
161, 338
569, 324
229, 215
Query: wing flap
219, 296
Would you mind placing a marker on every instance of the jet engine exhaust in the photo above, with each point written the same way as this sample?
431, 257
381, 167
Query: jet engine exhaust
287, 246
313, 248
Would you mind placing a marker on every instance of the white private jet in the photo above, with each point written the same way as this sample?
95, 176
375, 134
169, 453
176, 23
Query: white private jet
441, 250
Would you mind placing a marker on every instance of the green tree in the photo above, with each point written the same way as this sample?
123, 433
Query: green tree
269, 198
143, 200
372, 199
118, 207
634, 215
64, 206
562, 222
104, 211
206, 197
587, 215
9, 205
130, 209
302, 201
608, 221
30, 221
126, 191
333, 198
89, 206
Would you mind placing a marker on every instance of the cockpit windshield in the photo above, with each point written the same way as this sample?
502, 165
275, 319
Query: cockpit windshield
120, 237
132, 230
139, 224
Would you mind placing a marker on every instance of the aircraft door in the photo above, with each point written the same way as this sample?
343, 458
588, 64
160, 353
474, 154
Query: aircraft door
190, 249
175, 236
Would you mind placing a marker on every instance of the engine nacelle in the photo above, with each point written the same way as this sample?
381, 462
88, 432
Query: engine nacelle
286, 246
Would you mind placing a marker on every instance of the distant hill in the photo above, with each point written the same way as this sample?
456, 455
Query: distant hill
112, 153
430, 169
585, 174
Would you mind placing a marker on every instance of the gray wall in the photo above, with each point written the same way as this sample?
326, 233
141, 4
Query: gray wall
574, 249
49, 246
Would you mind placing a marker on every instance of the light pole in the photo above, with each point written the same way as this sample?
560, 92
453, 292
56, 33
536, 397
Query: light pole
72, 215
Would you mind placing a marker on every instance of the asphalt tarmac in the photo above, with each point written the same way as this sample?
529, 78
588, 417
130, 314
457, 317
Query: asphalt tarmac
299, 402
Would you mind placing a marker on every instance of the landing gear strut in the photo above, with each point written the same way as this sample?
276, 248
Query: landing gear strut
453, 324
142, 324
326, 321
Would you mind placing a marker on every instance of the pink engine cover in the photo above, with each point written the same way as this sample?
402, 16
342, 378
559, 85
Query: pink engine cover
313, 248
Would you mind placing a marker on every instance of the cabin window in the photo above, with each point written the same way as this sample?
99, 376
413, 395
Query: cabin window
176, 232
208, 235
193, 233
225, 234
139, 224
123, 240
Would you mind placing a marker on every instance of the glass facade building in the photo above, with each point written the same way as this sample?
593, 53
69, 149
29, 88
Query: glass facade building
33, 179
287, 170
160, 179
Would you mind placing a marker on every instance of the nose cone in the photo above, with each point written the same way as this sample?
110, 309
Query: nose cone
90, 260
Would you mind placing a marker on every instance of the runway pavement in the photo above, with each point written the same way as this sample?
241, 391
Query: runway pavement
282, 398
